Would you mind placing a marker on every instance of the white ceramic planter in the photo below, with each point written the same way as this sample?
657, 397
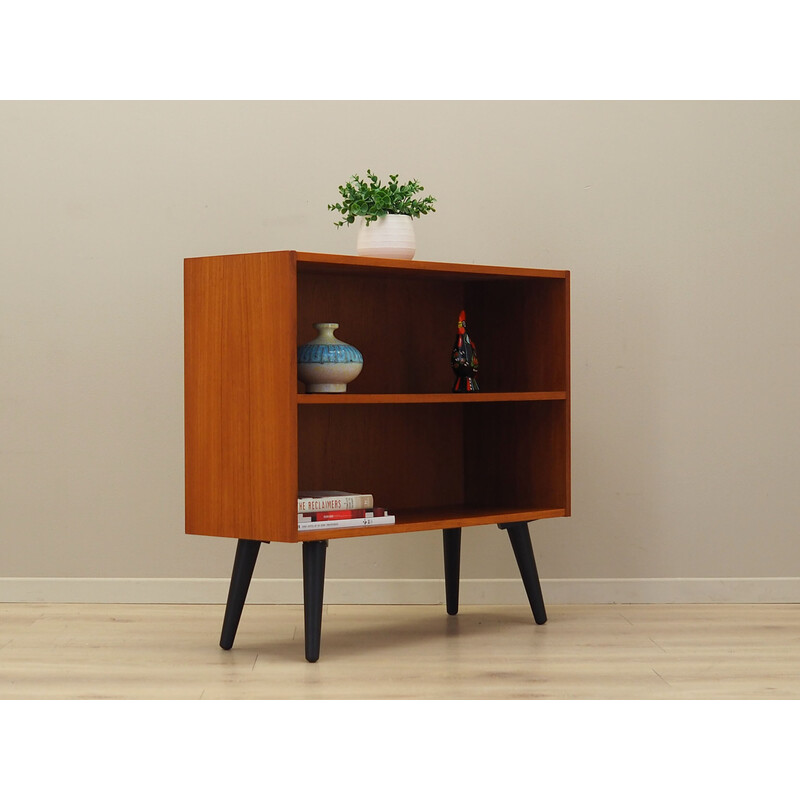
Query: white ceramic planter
391, 236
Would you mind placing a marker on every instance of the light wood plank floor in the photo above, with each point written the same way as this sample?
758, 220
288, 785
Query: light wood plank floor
81, 651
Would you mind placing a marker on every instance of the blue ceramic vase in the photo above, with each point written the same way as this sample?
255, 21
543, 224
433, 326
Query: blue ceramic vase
326, 364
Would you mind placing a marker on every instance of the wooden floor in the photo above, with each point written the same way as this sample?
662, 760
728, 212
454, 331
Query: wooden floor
401, 652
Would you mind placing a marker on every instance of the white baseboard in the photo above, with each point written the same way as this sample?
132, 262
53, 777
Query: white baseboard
395, 591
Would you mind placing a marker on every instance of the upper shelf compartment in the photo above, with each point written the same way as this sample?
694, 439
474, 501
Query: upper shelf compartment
402, 316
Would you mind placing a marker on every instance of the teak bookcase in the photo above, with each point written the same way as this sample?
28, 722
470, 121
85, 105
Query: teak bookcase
434, 459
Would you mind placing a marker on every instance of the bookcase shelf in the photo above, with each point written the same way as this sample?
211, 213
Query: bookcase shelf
432, 458
479, 397
438, 518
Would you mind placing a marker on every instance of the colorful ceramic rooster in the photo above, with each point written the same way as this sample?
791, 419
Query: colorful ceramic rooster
464, 359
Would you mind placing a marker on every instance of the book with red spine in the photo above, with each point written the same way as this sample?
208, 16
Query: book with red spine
356, 513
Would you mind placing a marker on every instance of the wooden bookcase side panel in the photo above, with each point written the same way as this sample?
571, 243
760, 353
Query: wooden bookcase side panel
241, 412
564, 320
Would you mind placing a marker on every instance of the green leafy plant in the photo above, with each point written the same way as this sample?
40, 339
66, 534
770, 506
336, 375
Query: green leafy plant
371, 199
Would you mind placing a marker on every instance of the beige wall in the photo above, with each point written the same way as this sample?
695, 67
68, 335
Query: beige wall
678, 220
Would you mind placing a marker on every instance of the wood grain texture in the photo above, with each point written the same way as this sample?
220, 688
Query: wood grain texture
632, 652
439, 517
407, 455
567, 464
241, 462
516, 454
403, 399
520, 332
313, 262
404, 328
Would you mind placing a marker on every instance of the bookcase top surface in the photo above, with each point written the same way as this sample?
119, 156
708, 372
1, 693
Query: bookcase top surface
321, 261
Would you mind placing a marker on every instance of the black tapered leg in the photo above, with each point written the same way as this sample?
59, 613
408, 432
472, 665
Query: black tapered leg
243, 565
523, 551
313, 585
452, 567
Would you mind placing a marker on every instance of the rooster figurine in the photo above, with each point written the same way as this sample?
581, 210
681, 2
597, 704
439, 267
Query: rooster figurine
464, 359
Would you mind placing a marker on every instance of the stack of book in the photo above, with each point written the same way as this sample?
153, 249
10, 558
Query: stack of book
323, 510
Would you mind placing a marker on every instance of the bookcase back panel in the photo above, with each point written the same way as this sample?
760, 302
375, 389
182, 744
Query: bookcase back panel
407, 456
516, 454
512, 455
520, 331
403, 327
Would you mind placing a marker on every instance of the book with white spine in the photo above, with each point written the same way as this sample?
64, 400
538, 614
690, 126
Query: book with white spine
360, 522
332, 501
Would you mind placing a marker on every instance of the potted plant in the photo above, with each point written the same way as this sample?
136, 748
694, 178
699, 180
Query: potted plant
386, 212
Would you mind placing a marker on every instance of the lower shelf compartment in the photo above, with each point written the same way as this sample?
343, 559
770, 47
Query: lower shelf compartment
430, 519
460, 456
